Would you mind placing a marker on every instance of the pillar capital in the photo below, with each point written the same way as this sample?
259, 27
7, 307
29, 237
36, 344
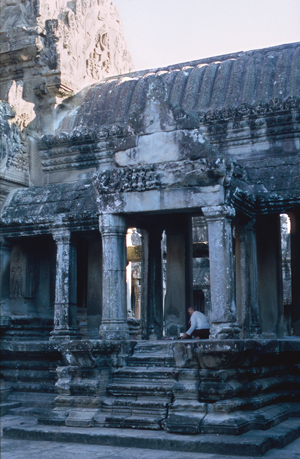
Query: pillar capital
218, 212
112, 224
5, 243
61, 236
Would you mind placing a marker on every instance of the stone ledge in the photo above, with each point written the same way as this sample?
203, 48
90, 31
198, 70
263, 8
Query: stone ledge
7, 406
254, 443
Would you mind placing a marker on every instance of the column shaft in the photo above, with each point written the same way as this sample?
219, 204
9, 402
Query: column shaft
179, 275
295, 265
144, 283
65, 305
5, 254
114, 305
223, 312
155, 288
246, 280
269, 272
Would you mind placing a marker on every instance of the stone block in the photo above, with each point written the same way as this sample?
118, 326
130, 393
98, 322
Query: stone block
185, 416
53, 418
184, 356
81, 418
5, 407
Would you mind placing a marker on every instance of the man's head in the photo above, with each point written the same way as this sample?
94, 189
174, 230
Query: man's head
191, 310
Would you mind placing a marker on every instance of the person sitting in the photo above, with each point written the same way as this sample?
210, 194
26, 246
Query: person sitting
199, 328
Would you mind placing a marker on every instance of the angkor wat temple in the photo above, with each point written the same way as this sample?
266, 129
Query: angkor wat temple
128, 197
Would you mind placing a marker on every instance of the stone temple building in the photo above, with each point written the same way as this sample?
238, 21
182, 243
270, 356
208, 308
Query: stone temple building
128, 197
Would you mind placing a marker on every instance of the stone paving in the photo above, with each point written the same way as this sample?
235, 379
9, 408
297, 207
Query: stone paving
27, 449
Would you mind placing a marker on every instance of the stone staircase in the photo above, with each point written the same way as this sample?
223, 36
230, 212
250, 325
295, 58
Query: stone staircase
140, 393
28, 377
224, 390
162, 387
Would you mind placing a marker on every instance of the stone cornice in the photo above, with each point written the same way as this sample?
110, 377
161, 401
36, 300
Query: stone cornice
275, 113
254, 111
250, 204
16, 228
243, 126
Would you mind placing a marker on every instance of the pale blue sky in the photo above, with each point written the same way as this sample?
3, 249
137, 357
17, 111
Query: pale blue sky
163, 32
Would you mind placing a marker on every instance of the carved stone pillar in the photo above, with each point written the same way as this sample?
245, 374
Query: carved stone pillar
114, 308
65, 306
144, 282
269, 275
295, 262
179, 275
175, 305
223, 312
155, 288
255, 330
246, 280
5, 254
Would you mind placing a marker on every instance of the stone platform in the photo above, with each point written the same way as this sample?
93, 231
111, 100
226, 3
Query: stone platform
254, 443
215, 392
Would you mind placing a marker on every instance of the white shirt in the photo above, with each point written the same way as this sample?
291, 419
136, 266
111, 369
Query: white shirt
198, 322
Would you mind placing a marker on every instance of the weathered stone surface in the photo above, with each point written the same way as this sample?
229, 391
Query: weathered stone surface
49, 51
215, 140
244, 445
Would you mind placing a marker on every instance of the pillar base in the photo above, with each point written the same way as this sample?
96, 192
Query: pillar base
255, 331
114, 330
64, 334
225, 331
271, 335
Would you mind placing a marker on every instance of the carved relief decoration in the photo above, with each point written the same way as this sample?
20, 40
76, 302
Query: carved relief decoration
127, 179
17, 269
12, 150
99, 59
24, 273
173, 174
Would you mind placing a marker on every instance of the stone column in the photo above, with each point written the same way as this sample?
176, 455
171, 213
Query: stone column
155, 288
5, 254
246, 280
179, 275
175, 297
65, 306
114, 305
269, 274
295, 266
255, 330
223, 312
144, 282
188, 232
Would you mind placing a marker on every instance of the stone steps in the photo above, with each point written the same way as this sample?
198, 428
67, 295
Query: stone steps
248, 403
6, 407
33, 399
152, 353
130, 412
254, 443
29, 403
142, 381
21, 411
240, 422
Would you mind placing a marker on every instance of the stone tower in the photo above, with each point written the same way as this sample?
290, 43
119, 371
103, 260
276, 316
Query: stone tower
48, 51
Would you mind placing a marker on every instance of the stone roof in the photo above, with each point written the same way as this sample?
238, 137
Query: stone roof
252, 77
51, 203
